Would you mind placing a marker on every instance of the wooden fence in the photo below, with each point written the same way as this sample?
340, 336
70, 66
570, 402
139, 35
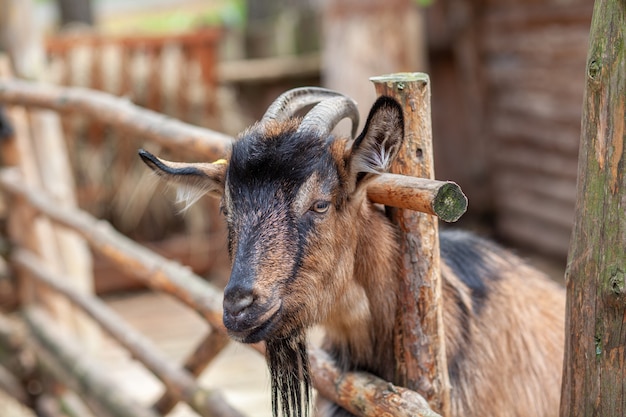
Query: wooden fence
65, 365
173, 74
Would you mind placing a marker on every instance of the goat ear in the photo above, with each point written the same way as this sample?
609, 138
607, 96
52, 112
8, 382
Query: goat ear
377, 146
192, 180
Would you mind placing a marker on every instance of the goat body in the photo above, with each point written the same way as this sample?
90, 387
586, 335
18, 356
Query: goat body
307, 247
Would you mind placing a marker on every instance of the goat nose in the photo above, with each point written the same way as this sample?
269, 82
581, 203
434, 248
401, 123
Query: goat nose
237, 301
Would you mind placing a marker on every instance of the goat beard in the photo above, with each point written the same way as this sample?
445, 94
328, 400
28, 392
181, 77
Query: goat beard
288, 362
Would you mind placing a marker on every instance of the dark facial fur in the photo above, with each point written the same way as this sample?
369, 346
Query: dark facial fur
293, 237
288, 363
269, 234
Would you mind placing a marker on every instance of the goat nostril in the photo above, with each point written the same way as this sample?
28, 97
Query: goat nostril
236, 305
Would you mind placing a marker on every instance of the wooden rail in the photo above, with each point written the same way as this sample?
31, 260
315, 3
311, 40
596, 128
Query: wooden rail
110, 63
118, 112
360, 393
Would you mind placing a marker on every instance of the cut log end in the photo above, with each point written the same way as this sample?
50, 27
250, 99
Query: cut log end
400, 77
444, 199
450, 203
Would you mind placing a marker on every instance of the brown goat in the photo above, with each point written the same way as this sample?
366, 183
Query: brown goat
307, 247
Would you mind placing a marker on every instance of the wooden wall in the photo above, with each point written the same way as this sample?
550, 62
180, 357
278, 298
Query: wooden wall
534, 57
508, 81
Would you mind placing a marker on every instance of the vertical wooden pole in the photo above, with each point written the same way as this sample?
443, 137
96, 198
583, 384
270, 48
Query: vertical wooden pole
95, 48
41, 155
35, 149
23, 227
419, 340
594, 371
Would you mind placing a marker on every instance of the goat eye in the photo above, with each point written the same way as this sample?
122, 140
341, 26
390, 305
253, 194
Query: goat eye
320, 206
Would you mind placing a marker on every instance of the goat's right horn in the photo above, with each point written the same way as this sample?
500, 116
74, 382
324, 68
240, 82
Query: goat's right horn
290, 102
323, 118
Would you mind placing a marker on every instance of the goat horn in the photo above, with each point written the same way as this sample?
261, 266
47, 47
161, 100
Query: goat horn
290, 102
323, 118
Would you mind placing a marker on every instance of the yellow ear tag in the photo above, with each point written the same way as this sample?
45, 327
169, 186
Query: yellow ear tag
220, 162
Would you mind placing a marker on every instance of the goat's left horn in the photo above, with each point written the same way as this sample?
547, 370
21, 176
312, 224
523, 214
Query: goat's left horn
323, 118
290, 102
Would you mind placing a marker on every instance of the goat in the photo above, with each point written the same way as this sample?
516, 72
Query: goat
307, 247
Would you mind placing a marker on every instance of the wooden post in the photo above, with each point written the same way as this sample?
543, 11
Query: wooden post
419, 340
52, 172
594, 371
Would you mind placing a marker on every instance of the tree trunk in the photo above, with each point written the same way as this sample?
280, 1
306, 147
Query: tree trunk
76, 11
594, 372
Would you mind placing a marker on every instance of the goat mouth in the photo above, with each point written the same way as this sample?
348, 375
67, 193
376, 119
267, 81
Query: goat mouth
261, 331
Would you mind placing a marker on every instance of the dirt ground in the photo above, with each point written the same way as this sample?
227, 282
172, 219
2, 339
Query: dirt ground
10, 408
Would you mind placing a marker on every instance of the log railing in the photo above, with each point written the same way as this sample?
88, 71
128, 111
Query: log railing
110, 63
360, 393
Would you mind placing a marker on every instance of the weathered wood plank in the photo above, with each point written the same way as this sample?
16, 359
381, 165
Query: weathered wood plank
536, 160
544, 186
533, 233
536, 132
268, 69
536, 206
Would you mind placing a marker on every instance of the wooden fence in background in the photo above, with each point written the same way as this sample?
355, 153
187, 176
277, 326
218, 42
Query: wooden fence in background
173, 74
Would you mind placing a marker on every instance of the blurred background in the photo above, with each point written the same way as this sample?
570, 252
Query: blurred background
506, 81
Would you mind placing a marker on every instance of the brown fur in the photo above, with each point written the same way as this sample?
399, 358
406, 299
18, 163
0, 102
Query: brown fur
275, 128
507, 363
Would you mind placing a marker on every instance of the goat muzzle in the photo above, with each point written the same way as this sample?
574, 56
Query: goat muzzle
247, 319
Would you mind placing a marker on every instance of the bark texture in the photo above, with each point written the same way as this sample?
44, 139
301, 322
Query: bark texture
419, 338
594, 375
